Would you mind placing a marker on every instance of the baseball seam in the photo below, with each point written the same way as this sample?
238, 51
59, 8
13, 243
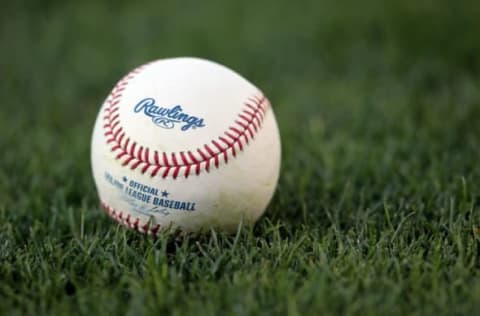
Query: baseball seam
186, 163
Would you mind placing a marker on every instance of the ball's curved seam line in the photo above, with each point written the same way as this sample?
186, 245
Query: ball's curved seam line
134, 155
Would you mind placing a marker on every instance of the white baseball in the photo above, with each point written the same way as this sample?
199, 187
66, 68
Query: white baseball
185, 143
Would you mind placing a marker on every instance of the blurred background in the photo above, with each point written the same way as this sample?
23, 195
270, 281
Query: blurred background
64, 56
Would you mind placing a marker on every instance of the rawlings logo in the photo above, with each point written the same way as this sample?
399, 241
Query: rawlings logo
167, 118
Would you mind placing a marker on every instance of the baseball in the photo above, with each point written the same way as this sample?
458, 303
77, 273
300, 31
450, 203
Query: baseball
185, 144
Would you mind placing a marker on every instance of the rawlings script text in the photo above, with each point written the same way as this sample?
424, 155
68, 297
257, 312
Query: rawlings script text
168, 117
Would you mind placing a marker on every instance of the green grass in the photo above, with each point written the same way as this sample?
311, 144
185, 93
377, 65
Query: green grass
378, 206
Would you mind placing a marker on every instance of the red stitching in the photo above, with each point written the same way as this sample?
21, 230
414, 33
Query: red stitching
128, 221
134, 155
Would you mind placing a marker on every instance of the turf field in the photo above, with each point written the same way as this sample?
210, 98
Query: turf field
377, 210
